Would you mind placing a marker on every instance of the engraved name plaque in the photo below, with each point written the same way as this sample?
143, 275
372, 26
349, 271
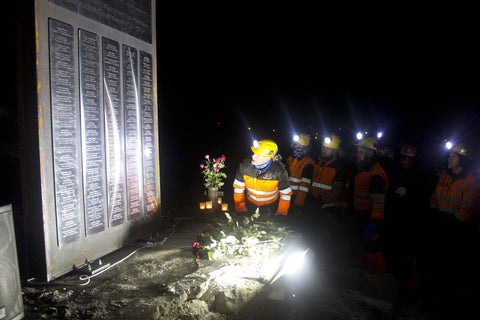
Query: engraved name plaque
65, 129
92, 132
114, 132
133, 138
149, 172
131, 17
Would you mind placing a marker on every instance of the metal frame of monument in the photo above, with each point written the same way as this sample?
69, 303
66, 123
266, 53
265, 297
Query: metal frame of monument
97, 131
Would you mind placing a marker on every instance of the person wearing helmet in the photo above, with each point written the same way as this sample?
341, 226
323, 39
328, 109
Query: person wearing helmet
455, 196
370, 184
300, 170
264, 180
329, 175
454, 212
405, 205
327, 200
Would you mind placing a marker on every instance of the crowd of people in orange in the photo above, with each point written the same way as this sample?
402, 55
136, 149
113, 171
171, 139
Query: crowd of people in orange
379, 207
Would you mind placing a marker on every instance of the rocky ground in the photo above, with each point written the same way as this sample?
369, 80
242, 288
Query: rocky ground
159, 278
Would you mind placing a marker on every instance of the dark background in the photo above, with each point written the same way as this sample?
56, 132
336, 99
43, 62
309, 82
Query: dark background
411, 72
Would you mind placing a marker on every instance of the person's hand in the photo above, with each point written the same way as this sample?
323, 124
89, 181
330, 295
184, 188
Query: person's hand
370, 231
401, 191
373, 230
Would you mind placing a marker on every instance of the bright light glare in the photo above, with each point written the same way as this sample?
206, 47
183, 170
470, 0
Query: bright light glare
448, 145
379, 135
296, 138
327, 140
255, 144
225, 278
294, 262
270, 266
359, 136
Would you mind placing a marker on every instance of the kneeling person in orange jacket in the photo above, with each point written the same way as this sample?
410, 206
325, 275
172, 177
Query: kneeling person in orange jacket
265, 181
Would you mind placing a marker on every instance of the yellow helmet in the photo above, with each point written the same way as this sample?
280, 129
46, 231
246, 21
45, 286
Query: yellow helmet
332, 142
302, 139
461, 150
369, 143
265, 148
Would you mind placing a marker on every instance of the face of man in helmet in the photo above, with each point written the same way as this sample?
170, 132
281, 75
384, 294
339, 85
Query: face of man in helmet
259, 160
406, 162
327, 153
453, 162
361, 154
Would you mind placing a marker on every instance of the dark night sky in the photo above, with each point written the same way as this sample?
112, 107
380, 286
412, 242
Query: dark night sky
405, 75
221, 70
416, 77
420, 81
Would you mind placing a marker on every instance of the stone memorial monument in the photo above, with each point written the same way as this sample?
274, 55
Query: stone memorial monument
90, 155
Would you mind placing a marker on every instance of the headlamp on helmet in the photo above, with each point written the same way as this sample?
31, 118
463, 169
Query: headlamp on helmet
458, 149
265, 148
332, 142
302, 139
448, 145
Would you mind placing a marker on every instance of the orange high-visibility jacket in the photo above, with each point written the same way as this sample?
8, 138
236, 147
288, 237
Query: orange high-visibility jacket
458, 195
370, 187
262, 188
300, 177
328, 182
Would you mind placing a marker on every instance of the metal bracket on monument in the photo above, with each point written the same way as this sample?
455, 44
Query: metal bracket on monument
92, 267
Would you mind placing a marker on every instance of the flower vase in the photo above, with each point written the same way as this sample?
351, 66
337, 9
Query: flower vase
212, 196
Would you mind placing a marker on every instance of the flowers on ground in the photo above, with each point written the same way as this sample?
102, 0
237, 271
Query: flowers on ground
196, 251
241, 236
212, 174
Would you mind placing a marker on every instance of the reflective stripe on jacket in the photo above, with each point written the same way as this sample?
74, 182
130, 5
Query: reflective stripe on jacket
328, 182
369, 191
262, 188
300, 177
457, 195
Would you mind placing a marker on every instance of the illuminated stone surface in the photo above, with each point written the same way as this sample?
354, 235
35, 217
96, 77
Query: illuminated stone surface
164, 281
